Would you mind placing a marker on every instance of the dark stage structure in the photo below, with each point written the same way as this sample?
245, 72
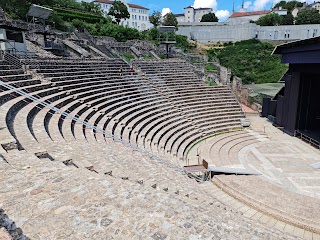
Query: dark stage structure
296, 107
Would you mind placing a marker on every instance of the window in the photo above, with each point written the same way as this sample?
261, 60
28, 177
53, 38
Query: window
315, 31
14, 36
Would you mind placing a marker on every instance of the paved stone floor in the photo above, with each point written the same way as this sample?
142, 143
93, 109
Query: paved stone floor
287, 191
284, 160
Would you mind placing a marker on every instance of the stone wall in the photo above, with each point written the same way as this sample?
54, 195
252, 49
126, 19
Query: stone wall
232, 32
243, 94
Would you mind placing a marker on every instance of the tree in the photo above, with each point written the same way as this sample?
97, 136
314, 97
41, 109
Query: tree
287, 19
119, 11
170, 20
271, 19
308, 16
92, 7
155, 18
209, 17
288, 5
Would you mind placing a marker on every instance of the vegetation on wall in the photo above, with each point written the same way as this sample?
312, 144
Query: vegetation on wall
250, 60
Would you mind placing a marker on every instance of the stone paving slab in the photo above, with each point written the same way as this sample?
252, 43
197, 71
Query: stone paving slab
52, 201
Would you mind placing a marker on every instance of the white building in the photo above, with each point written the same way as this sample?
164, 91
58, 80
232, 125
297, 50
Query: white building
139, 16
243, 16
192, 14
315, 5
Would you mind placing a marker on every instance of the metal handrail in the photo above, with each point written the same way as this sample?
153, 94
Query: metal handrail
175, 168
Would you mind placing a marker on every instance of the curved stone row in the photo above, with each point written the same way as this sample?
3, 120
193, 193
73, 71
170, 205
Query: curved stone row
223, 150
73, 174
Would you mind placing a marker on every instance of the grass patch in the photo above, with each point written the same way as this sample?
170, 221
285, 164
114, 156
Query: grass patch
250, 60
128, 57
211, 84
209, 67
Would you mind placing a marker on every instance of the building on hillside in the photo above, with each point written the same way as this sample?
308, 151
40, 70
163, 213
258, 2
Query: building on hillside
192, 14
280, 11
314, 5
244, 16
139, 16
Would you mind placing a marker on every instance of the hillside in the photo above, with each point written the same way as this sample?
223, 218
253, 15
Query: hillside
250, 60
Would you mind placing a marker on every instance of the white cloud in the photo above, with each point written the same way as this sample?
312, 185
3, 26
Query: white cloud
165, 11
260, 4
222, 15
247, 4
205, 4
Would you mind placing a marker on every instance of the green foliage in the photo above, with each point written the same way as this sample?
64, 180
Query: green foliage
19, 8
170, 20
148, 57
92, 7
250, 60
128, 57
274, 19
209, 67
153, 34
155, 18
120, 33
290, 5
209, 17
308, 16
70, 14
119, 11
287, 19
271, 19
183, 43
211, 83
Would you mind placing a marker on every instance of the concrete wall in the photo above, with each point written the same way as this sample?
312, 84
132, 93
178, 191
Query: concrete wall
216, 32
233, 31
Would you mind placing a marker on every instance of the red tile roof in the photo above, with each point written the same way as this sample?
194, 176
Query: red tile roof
245, 14
130, 4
